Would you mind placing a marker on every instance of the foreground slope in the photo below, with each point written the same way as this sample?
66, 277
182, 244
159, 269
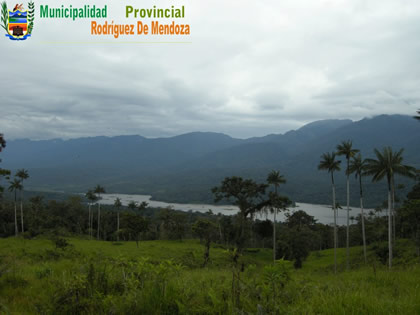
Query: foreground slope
165, 277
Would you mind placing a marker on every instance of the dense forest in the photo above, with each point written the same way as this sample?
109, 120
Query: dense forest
297, 236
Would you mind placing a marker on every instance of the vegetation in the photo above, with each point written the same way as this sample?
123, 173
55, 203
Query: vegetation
22, 174
184, 169
161, 261
2, 142
386, 166
4, 16
91, 197
248, 196
275, 179
15, 185
358, 167
329, 163
98, 191
166, 277
346, 149
118, 205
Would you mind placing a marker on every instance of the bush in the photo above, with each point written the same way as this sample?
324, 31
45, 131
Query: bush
60, 243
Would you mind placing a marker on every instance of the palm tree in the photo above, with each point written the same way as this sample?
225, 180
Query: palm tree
358, 166
118, 205
329, 163
98, 191
387, 164
2, 142
15, 185
90, 195
274, 178
132, 205
22, 174
345, 148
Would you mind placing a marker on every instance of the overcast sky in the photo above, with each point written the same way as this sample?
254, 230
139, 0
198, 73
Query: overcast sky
249, 68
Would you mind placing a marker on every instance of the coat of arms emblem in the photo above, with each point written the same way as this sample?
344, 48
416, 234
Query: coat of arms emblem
18, 23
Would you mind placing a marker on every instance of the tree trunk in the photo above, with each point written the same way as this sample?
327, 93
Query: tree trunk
363, 217
348, 223
220, 232
274, 236
89, 220
118, 226
393, 210
240, 240
21, 211
363, 229
91, 224
389, 229
99, 220
274, 231
206, 253
16, 224
335, 225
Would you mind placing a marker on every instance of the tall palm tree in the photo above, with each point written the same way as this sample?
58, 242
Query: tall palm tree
346, 149
330, 164
90, 195
274, 178
22, 174
118, 205
15, 185
98, 191
358, 166
386, 165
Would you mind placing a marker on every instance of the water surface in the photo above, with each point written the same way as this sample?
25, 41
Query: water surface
322, 213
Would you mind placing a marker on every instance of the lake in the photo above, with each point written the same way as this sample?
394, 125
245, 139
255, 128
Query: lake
322, 213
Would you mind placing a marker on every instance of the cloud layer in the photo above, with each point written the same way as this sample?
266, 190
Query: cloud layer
250, 68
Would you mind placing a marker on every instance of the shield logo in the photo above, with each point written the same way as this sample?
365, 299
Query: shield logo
18, 23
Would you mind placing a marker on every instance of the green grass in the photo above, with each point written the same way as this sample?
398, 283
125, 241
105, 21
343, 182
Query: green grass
187, 252
362, 291
95, 277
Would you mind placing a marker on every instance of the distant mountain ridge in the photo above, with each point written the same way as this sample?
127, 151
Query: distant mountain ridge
185, 167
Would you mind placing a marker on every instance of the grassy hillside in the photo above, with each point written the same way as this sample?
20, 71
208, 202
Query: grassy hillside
165, 277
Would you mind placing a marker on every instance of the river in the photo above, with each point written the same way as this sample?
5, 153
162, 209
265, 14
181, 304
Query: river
322, 213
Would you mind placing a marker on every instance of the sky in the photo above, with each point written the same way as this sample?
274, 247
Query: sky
249, 68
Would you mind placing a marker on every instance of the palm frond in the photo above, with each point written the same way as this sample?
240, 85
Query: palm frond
387, 164
346, 149
15, 185
4, 16
275, 178
329, 163
357, 166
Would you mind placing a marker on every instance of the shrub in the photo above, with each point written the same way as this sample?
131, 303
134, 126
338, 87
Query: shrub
60, 243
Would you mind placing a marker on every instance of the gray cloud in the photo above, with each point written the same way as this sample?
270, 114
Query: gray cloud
252, 68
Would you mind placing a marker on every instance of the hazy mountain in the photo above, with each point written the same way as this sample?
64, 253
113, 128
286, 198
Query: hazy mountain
114, 152
185, 167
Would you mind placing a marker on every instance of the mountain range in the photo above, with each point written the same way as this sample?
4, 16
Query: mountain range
184, 168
